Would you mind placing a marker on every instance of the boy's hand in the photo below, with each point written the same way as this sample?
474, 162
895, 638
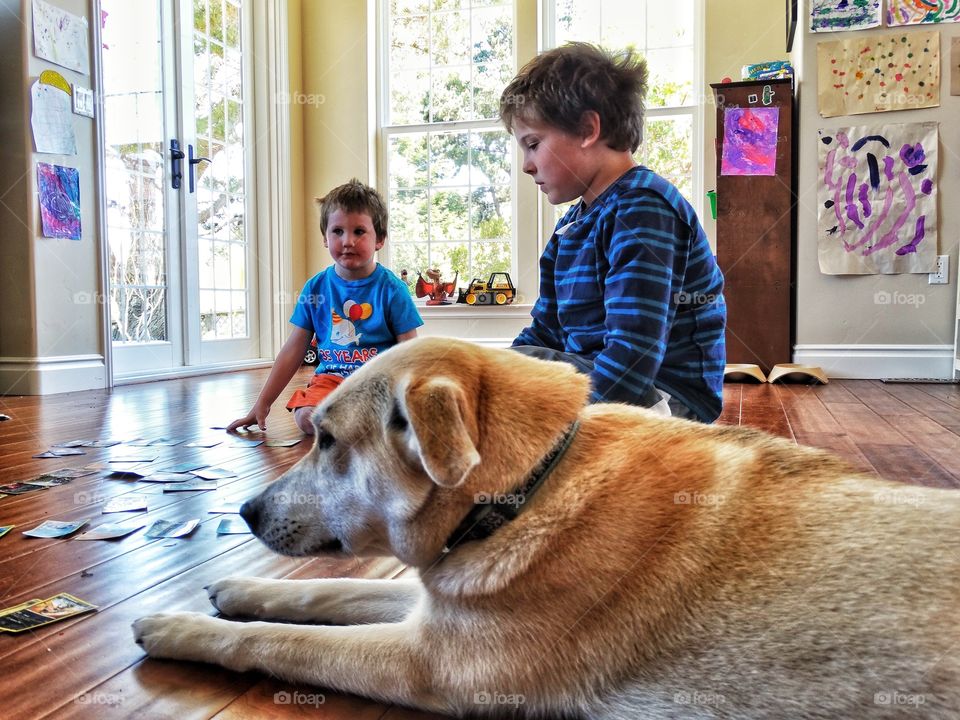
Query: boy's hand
255, 417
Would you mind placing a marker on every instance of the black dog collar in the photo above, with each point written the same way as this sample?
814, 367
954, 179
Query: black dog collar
490, 512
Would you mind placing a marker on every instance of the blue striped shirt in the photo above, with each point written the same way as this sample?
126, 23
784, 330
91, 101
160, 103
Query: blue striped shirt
631, 283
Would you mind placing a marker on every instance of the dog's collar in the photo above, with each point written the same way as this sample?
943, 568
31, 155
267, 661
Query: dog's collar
491, 512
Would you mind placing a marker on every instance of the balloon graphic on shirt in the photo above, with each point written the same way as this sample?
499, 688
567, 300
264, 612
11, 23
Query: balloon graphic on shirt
356, 311
343, 331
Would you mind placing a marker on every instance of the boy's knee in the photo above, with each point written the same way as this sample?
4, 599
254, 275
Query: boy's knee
301, 416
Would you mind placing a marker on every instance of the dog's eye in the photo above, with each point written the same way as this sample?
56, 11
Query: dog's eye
324, 439
397, 421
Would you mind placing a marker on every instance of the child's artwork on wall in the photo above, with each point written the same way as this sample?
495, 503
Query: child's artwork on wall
834, 15
877, 73
750, 141
877, 199
60, 37
51, 119
59, 189
913, 12
955, 66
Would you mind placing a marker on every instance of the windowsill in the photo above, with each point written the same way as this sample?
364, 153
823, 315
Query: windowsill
460, 310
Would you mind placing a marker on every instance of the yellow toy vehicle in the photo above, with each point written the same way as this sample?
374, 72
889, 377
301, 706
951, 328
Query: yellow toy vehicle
498, 290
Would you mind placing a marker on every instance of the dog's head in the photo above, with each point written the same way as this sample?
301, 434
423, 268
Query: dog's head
405, 445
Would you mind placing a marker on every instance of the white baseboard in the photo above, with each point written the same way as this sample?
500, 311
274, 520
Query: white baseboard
50, 375
873, 362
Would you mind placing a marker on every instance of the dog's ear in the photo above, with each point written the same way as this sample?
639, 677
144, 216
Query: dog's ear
441, 418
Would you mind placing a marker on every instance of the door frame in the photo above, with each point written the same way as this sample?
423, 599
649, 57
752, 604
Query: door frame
269, 217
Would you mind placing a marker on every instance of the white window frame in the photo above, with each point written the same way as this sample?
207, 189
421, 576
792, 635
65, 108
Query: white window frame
533, 217
694, 111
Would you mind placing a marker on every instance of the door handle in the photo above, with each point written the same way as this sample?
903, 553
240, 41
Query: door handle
176, 164
194, 161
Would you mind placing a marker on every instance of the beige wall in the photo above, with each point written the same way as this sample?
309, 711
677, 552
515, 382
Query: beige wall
738, 33
840, 310
51, 320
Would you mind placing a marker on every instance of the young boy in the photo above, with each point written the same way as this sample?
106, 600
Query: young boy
630, 292
356, 307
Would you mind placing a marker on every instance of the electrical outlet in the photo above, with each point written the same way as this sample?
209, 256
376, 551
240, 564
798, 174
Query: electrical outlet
942, 274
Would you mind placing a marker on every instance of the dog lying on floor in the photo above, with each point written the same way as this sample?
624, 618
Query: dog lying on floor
586, 561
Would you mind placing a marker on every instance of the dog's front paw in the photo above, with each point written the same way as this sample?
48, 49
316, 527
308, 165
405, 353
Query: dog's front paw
252, 597
187, 636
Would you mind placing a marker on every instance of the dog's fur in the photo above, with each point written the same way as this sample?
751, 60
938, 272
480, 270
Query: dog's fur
666, 569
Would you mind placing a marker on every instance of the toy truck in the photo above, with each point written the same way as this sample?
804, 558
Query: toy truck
498, 290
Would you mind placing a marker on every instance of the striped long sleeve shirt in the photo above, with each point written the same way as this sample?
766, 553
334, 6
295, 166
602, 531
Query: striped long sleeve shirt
631, 283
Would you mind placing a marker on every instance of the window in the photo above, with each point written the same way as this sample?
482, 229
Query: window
449, 167
665, 34
449, 162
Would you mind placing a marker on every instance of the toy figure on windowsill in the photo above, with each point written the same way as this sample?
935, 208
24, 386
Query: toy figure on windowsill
437, 291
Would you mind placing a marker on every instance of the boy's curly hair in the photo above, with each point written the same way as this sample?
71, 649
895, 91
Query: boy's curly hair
560, 85
354, 196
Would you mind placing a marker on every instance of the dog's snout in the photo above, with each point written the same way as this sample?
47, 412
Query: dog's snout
250, 512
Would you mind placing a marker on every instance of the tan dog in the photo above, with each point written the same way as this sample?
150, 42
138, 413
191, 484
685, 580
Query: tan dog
664, 569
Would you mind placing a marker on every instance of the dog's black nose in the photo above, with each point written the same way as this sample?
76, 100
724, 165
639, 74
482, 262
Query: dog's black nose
251, 514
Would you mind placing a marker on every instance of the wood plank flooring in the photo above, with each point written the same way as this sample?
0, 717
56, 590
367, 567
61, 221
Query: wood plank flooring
89, 667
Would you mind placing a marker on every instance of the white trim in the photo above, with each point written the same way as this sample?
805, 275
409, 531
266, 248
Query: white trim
193, 371
458, 310
49, 375
872, 362
103, 286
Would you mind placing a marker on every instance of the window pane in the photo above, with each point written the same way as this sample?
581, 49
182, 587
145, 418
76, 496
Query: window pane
449, 188
668, 150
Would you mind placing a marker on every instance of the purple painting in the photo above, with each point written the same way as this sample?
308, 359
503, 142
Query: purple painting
878, 199
59, 200
750, 141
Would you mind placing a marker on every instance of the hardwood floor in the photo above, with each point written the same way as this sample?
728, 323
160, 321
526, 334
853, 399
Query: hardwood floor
89, 667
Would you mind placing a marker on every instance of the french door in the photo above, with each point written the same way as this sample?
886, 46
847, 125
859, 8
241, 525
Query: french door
178, 182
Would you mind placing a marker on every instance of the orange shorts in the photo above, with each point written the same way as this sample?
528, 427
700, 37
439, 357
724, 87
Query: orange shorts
320, 386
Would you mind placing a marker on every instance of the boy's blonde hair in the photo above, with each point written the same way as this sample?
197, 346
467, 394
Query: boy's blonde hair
558, 86
354, 196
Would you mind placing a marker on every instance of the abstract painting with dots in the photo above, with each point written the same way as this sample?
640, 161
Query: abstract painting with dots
877, 199
914, 12
878, 73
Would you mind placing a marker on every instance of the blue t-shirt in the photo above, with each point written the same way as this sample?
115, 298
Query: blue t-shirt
354, 320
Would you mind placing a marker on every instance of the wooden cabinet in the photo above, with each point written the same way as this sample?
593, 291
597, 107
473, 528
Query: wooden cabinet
756, 221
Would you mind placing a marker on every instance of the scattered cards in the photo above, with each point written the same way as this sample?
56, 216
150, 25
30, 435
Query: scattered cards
203, 443
185, 467
214, 473
227, 508
190, 485
35, 613
132, 456
71, 443
243, 442
168, 477
50, 481
126, 503
19, 488
284, 443
56, 452
233, 526
55, 528
170, 529
4, 529
101, 443
110, 531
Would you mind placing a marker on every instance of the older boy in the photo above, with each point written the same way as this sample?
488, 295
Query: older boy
630, 292
356, 307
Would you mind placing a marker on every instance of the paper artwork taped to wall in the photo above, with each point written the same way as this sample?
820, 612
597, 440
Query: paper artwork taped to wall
914, 12
878, 73
835, 15
60, 37
750, 141
955, 66
52, 120
877, 199
59, 189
